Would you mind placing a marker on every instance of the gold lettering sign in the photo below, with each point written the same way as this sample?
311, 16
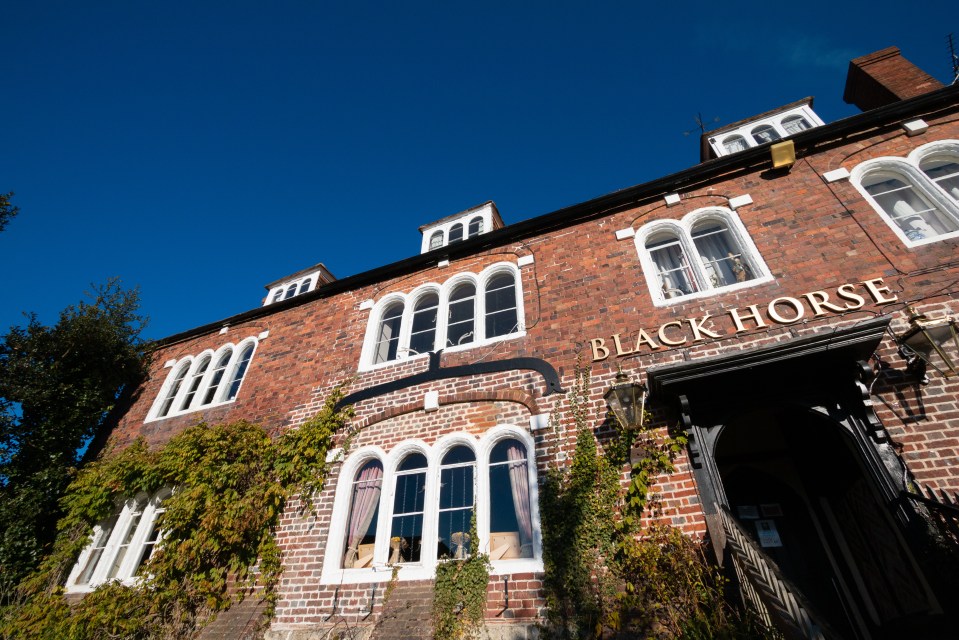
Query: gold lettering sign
783, 310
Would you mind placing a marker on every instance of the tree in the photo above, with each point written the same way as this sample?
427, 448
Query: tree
58, 385
7, 210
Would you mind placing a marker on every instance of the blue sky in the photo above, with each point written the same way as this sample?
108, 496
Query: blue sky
200, 150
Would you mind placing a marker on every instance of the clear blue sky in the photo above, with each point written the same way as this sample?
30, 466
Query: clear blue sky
200, 149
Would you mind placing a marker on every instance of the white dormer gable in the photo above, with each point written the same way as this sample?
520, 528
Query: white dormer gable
297, 284
458, 227
767, 127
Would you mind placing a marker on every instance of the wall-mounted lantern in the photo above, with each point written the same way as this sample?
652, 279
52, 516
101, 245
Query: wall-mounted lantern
930, 342
627, 401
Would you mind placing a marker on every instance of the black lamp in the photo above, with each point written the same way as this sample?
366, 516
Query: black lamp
627, 400
928, 342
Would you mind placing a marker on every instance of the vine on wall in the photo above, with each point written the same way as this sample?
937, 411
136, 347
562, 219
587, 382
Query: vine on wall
459, 594
231, 484
611, 570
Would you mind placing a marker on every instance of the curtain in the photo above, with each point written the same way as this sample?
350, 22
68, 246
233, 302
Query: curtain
715, 251
366, 497
519, 483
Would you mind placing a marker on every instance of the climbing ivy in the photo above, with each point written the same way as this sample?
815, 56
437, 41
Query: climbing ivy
459, 594
231, 484
610, 568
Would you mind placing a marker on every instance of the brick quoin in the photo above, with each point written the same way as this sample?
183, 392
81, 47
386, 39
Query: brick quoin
585, 284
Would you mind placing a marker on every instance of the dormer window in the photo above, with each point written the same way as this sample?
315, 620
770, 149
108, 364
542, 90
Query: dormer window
462, 226
765, 133
766, 128
297, 284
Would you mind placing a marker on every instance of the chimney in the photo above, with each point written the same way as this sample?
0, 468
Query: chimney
885, 77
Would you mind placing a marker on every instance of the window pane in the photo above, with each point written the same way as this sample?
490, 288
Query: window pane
195, 383
456, 233
720, 255
305, 286
732, 144
436, 240
96, 549
174, 389
217, 376
462, 311
406, 531
388, 341
364, 512
290, 292
240, 372
476, 226
277, 295
501, 305
795, 124
456, 503
511, 525
946, 174
676, 275
150, 541
911, 212
423, 335
124, 546
765, 133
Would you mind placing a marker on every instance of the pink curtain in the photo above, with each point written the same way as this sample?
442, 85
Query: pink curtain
366, 497
519, 483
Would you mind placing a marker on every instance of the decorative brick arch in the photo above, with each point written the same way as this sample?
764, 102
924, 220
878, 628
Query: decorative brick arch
504, 395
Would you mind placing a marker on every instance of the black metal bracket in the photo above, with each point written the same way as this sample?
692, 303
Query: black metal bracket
436, 372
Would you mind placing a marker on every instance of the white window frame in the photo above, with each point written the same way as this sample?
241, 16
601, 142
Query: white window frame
290, 288
485, 213
925, 187
380, 571
192, 363
127, 571
682, 230
444, 290
717, 142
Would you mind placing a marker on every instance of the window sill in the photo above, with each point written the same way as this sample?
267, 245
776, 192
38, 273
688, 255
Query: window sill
174, 414
384, 573
666, 302
454, 349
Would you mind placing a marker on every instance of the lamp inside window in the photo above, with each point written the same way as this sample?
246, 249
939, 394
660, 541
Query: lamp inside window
930, 342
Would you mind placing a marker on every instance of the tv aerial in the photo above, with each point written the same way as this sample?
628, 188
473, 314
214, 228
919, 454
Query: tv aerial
701, 124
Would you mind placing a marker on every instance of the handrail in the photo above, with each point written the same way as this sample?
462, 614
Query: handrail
773, 595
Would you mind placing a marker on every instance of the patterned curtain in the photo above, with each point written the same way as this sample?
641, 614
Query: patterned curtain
366, 497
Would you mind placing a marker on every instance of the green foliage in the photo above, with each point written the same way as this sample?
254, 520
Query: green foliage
607, 575
459, 594
231, 482
7, 209
57, 386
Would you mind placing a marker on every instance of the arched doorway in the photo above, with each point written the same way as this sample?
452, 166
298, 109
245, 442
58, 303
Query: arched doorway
794, 482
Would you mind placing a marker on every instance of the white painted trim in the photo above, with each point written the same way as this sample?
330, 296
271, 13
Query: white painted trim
628, 232
740, 201
745, 131
522, 261
284, 287
836, 175
915, 127
682, 231
333, 573
485, 213
672, 199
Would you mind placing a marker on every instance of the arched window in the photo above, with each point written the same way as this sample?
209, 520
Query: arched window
720, 254
436, 240
511, 521
409, 503
457, 483
462, 315
795, 124
944, 171
676, 275
305, 286
707, 250
240, 371
364, 508
121, 545
732, 144
456, 233
476, 226
290, 292
423, 334
195, 381
173, 389
501, 318
388, 335
765, 133
217, 376
277, 295
903, 204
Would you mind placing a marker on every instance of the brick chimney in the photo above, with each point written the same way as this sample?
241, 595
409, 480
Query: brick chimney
885, 77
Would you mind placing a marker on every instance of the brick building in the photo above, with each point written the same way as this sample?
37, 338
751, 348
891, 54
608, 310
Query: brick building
763, 296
